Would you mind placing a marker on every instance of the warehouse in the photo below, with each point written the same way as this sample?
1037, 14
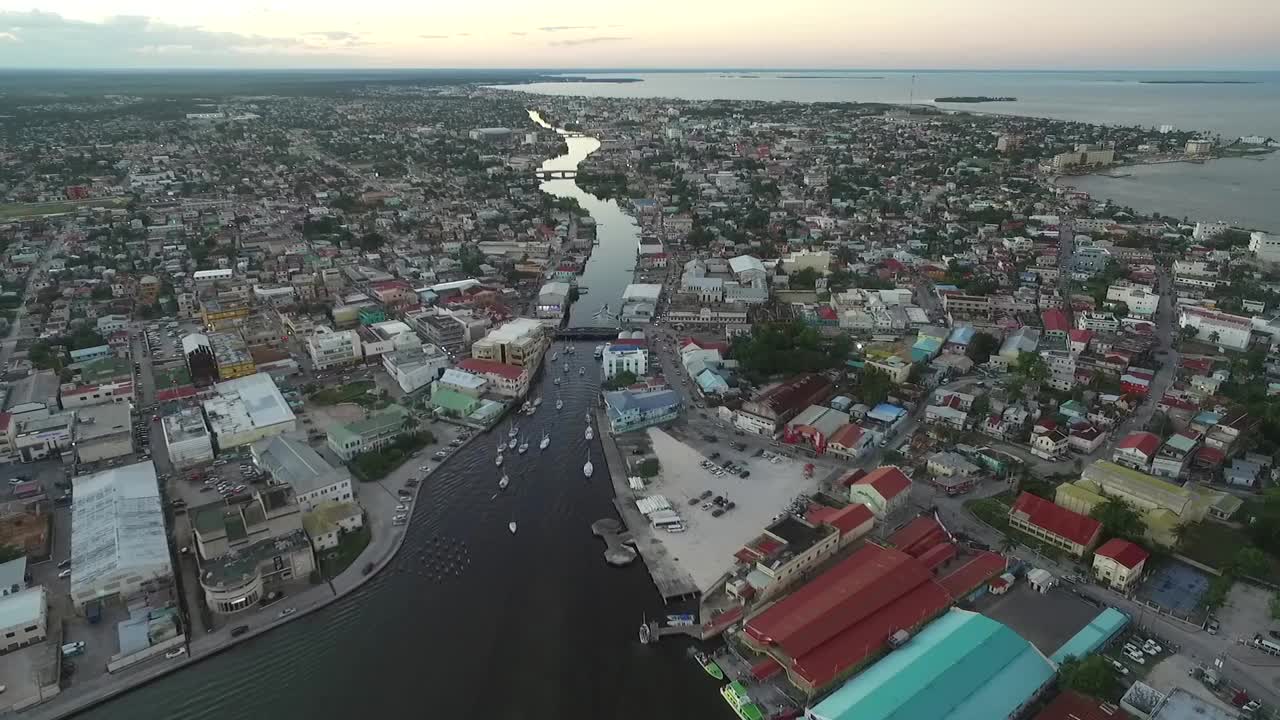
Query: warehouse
246, 410
963, 665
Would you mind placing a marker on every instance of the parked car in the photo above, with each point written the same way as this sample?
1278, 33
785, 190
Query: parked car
239, 630
176, 652
64, 574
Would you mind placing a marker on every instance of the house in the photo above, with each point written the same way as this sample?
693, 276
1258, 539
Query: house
504, 379
373, 433
885, 490
1136, 450
1055, 525
1119, 563
1049, 444
769, 411
1084, 438
1056, 324
630, 411
849, 440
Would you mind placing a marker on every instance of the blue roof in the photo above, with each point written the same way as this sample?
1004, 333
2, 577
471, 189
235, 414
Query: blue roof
622, 400
1094, 635
962, 666
885, 412
926, 342
962, 335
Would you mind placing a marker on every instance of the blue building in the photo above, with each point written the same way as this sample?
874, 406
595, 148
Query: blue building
636, 410
1094, 636
962, 666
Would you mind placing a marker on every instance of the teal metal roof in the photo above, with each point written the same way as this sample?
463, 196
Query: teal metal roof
962, 666
1099, 630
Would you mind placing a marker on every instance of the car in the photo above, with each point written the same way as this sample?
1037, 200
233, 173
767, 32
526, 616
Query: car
64, 564
717, 512
730, 505
744, 474
693, 501
15, 481
707, 506
239, 630
1151, 647
176, 652
287, 612
400, 518
440, 454
402, 507
705, 494
714, 455
1137, 658
62, 575
1130, 647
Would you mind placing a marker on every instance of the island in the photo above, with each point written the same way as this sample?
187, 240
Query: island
580, 79
974, 99
1198, 82
832, 77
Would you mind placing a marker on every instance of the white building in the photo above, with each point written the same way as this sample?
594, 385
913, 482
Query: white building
416, 367
1140, 299
553, 300
1265, 246
248, 409
313, 480
624, 358
1209, 230
329, 348
103, 432
1222, 329
23, 617
119, 547
108, 324
186, 438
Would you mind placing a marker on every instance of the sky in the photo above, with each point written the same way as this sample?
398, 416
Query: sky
977, 34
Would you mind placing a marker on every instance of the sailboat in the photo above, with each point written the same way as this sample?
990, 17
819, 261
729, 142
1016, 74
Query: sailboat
557, 381
511, 444
582, 371
588, 468
546, 440
512, 527
537, 402
501, 446
559, 404
587, 416
555, 356
504, 482
524, 447
498, 461
590, 433
513, 431
566, 367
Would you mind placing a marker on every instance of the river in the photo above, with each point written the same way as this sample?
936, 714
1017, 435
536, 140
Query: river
608, 271
535, 626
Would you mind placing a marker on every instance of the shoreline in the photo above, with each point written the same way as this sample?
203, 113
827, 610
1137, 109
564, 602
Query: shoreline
55, 709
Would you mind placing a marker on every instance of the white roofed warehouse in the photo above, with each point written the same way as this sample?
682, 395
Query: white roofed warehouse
118, 544
246, 410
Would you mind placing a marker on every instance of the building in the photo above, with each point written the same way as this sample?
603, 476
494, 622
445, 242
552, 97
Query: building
36, 433
1140, 299
13, 575
770, 410
148, 289
230, 355
416, 367
1119, 563
103, 432
332, 348
885, 490
895, 367
841, 620
1071, 705
1083, 157
624, 358
243, 545
790, 547
119, 547
520, 342
962, 665
1056, 324
639, 303
511, 381
293, 463
247, 409
553, 300
375, 432
1198, 147
326, 523
186, 437
1055, 525
629, 410
1265, 246
23, 616
1217, 328
1137, 450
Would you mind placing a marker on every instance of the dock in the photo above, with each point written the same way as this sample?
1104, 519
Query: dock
618, 541
672, 581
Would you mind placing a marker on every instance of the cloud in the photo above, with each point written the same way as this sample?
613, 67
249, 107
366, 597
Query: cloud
334, 35
518, 33
434, 37
8, 37
588, 40
562, 28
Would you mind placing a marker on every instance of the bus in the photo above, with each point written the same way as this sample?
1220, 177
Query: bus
1265, 645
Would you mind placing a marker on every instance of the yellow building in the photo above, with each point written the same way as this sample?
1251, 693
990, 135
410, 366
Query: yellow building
520, 342
232, 355
217, 316
1119, 563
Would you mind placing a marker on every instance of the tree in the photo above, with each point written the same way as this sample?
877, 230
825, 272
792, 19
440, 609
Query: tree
1249, 561
1275, 606
875, 386
981, 407
11, 552
1093, 676
1031, 367
621, 380
1119, 519
1179, 533
916, 373
803, 279
1213, 337
981, 347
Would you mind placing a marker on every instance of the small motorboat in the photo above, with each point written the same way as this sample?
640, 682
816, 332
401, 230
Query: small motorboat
546, 440
512, 527
514, 431
559, 404
555, 356
511, 444
504, 482
557, 381
565, 367
537, 402
590, 433
582, 371
588, 469
501, 446
586, 416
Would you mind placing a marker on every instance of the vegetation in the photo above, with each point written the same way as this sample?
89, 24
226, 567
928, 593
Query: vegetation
11, 552
350, 392
874, 386
776, 348
621, 380
1093, 676
981, 347
803, 279
350, 545
1119, 519
648, 468
375, 465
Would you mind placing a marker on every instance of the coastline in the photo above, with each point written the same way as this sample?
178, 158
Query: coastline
349, 581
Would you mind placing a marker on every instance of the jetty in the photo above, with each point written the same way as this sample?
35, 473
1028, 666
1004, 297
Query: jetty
618, 541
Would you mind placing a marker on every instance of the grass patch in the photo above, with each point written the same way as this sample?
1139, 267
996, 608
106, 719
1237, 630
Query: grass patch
334, 560
13, 211
1213, 544
994, 511
351, 392
370, 466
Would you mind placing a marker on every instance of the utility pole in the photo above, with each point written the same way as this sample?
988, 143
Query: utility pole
911, 96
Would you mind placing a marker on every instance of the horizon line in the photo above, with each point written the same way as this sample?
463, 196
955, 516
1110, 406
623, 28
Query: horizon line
619, 69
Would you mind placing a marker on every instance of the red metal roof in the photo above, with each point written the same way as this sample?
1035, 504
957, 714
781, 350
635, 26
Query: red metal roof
766, 544
1071, 705
765, 669
918, 536
888, 481
1124, 552
850, 518
969, 576
1079, 335
937, 555
1057, 520
846, 435
853, 477
485, 367
1144, 442
1055, 321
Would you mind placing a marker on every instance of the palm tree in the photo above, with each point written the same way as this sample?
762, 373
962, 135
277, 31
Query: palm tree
1179, 532
410, 423
1213, 338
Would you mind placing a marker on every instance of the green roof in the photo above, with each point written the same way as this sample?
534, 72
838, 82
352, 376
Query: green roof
103, 369
386, 421
1094, 635
453, 400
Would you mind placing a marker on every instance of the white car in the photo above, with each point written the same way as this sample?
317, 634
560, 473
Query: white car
402, 507
287, 612
1120, 668
1150, 647
64, 574
1138, 658
176, 652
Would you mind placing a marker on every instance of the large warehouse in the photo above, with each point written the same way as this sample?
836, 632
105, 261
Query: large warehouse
963, 666
246, 410
118, 543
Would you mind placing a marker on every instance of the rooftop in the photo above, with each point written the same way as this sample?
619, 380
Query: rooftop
387, 420
1059, 521
239, 565
116, 524
96, 421
295, 463
1123, 552
247, 403
22, 608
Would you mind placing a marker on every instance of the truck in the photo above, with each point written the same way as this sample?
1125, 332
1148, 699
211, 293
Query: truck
73, 649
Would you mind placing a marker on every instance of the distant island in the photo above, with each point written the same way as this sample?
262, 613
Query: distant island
832, 77
974, 99
1198, 82
580, 79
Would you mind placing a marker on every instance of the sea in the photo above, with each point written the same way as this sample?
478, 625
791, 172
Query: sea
1225, 104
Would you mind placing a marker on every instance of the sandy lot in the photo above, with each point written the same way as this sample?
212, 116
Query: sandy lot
706, 549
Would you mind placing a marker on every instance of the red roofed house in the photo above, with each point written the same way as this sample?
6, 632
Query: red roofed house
1071, 705
1079, 340
849, 441
506, 380
1136, 450
1056, 324
1056, 525
393, 292
842, 620
884, 490
1119, 563
769, 411
974, 574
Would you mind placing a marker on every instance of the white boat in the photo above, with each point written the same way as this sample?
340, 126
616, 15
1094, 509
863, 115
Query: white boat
537, 402
504, 482
557, 381
588, 469
555, 356
501, 446
524, 447
512, 527
599, 351
569, 349
514, 431
511, 444
559, 404
546, 440
566, 367
587, 416
498, 461
582, 371
590, 433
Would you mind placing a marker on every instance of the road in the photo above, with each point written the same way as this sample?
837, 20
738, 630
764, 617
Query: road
15, 328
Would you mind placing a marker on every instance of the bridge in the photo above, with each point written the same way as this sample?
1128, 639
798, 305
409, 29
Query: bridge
587, 333
555, 174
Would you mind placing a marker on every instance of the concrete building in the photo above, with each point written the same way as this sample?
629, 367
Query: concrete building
1140, 299
1055, 525
23, 616
414, 368
639, 303
36, 433
373, 433
13, 576
766, 413
230, 355
246, 410
895, 367
293, 463
1229, 331
630, 411
520, 342
508, 381
103, 432
333, 348
119, 547
326, 523
884, 490
1083, 157
186, 437
624, 358
553, 300
1119, 563
1265, 246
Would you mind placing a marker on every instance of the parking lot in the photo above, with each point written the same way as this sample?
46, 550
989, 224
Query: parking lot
705, 549
1046, 620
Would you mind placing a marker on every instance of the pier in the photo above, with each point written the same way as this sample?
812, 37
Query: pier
587, 333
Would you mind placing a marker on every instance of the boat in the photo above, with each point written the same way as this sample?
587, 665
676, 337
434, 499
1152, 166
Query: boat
587, 416
498, 461
557, 381
645, 635
513, 431
524, 447
559, 404
511, 444
582, 371
555, 356
735, 693
512, 527
537, 402
566, 367
709, 665
599, 351
546, 440
501, 446
569, 349
590, 433
588, 469
504, 482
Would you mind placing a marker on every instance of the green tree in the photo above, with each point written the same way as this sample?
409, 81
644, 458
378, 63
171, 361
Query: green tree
1031, 367
10, 552
1118, 518
874, 387
803, 279
1275, 606
981, 346
1093, 676
621, 380
1249, 561
648, 468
